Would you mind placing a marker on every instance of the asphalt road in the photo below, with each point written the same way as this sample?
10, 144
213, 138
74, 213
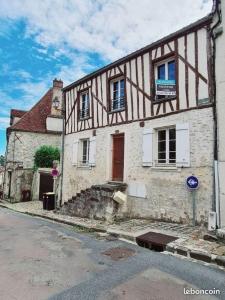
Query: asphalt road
40, 259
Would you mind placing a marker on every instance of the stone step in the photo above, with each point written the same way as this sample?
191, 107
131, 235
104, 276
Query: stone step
95, 202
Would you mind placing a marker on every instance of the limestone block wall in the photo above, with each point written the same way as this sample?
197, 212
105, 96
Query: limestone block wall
23, 145
166, 196
20, 153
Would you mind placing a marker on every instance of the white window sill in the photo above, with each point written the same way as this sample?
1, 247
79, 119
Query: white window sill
84, 167
166, 168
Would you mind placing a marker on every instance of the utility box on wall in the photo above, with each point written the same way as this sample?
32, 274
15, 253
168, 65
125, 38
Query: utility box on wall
212, 221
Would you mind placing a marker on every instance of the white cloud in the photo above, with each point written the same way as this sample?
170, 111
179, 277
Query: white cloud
111, 28
31, 92
4, 123
78, 28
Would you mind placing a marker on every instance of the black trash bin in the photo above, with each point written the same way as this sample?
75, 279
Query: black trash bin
50, 201
44, 200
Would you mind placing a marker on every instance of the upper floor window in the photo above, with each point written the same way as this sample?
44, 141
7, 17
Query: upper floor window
84, 105
165, 84
166, 146
117, 94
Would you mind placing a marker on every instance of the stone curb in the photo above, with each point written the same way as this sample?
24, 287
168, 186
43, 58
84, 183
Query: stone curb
78, 224
198, 255
170, 248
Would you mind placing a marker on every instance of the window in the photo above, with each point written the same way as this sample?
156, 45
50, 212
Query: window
85, 151
84, 105
165, 79
167, 146
117, 94
166, 71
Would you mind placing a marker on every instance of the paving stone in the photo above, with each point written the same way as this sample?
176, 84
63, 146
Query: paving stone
220, 260
210, 237
182, 251
200, 256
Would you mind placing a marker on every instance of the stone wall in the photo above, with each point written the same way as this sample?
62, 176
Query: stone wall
21, 149
166, 195
23, 145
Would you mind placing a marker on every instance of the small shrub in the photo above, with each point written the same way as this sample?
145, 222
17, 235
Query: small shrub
45, 155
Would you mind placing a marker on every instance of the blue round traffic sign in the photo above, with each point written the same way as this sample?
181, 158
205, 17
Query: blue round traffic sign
192, 182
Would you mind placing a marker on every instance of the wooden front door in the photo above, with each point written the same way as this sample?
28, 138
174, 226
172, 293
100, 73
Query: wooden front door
46, 184
118, 157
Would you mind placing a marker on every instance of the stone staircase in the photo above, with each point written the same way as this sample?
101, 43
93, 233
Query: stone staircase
95, 202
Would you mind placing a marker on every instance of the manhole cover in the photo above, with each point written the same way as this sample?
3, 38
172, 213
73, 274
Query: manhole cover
155, 241
119, 253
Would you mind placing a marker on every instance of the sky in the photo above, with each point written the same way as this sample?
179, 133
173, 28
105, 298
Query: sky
66, 39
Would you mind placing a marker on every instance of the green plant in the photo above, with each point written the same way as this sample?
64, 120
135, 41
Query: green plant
45, 155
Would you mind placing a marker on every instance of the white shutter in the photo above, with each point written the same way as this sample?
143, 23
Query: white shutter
75, 152
147, 154
92, 151
182, 145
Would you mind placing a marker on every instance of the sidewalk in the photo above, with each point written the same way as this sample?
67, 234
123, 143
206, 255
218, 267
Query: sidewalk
190, 242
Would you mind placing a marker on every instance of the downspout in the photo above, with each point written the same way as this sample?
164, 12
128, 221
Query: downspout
6, 152
216, 205
62, 150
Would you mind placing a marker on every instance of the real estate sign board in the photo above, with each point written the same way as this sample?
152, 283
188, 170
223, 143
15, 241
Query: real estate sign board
165, 87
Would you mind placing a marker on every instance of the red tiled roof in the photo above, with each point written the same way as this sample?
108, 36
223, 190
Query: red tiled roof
17, 113
35, 119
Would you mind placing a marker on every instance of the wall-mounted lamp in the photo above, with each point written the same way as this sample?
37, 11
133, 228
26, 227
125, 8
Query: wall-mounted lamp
56, 102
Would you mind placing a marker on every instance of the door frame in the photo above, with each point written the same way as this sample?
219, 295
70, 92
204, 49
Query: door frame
42, 171
9, 184
112, 154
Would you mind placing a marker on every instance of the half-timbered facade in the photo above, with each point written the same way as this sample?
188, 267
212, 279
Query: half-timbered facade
146, 120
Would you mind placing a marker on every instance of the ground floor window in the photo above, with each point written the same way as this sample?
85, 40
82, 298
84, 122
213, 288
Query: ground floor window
166, 146
85, 151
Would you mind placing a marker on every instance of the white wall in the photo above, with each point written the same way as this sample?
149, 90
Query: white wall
167, 196
220, 101
54, 124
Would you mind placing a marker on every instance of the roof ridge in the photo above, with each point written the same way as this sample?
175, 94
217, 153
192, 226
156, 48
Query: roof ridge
146, 48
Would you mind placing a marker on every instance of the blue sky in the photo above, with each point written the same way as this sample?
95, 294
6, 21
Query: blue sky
44, 39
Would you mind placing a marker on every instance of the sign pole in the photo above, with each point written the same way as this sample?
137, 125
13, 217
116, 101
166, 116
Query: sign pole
192, 184
54, 190
194, 207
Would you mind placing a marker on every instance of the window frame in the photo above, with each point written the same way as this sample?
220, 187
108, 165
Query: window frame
111, 81
167, 148
81, 155
81, 93
155, 64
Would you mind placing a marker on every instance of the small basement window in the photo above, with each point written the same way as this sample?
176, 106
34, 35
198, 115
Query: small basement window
117, 95
84, 105
165, 83
166, 146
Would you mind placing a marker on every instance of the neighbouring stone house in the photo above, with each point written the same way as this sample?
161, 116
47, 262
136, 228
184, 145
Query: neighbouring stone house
2, 170
41, 125
145, 120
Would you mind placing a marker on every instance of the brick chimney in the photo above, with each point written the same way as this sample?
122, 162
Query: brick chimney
58, 83
57, 94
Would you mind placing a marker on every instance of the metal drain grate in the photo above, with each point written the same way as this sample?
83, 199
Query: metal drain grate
155, 241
